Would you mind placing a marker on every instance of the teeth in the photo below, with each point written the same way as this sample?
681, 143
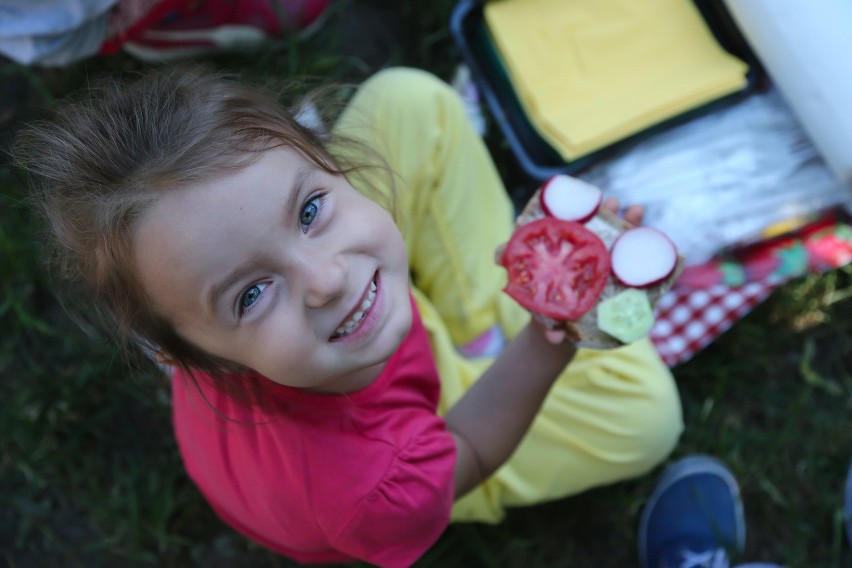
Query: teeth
350, 326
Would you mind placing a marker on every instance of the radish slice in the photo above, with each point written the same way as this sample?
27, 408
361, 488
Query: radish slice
643, 256
570, 199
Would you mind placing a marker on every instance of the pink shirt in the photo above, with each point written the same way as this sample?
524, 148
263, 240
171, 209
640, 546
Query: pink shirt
327, 478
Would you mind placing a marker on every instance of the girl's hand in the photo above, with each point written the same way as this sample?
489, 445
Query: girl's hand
633, 214
555, 332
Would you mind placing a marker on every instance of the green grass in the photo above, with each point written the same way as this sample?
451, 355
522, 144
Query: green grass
89, 472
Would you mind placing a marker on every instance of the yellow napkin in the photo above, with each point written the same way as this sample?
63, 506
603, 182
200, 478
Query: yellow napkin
592, 72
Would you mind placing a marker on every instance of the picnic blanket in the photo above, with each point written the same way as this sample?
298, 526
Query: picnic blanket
709, 298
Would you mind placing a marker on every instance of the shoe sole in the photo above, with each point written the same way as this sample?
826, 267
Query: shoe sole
685, 467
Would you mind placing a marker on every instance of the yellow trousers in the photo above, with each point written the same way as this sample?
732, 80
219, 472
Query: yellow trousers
612, 414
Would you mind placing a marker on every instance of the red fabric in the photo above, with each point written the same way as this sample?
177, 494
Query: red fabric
688, 319
327, 478
709, 298
129, 18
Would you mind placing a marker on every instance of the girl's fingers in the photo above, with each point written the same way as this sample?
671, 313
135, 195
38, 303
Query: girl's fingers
611, 204
634, 214
555, 336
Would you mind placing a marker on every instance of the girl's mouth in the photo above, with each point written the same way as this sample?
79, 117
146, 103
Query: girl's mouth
359, 314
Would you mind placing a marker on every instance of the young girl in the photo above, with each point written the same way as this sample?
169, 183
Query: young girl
320, 401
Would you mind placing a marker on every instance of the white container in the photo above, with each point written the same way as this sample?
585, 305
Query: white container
806, 48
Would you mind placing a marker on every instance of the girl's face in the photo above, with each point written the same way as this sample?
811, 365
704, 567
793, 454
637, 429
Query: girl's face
281, 268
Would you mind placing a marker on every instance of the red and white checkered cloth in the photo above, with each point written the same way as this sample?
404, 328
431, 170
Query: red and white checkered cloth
689, 319
708, 299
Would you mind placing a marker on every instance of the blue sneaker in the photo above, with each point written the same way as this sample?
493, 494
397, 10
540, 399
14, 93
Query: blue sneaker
694, 517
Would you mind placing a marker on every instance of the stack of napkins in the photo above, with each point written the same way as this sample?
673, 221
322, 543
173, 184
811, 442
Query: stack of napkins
592, 72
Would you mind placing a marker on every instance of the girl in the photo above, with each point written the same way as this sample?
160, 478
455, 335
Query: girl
320, 402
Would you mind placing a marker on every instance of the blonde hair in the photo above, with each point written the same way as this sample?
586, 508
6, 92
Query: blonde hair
100, 162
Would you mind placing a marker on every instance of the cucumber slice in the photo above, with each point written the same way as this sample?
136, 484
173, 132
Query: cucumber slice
627, 316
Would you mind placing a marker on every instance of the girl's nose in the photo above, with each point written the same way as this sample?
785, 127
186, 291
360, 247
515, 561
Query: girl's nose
325, 280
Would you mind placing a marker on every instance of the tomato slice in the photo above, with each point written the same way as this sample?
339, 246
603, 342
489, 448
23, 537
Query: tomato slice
556, 268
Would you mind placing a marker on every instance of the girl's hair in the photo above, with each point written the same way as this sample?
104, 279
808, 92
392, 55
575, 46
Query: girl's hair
101, 162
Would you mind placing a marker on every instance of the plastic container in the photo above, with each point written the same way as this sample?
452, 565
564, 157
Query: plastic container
535, 156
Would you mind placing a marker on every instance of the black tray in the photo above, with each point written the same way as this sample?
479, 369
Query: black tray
536, 157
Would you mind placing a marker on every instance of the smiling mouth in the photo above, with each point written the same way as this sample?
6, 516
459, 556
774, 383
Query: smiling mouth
354, 321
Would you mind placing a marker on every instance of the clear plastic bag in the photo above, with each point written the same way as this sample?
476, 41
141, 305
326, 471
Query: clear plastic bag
723, 178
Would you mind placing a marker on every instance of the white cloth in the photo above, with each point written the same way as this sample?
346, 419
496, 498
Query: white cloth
52, 32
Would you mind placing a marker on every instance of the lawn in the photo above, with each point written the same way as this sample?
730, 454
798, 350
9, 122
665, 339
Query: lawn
89, 472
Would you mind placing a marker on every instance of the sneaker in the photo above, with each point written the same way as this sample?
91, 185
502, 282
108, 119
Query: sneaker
694, 517
201, 27
847, 505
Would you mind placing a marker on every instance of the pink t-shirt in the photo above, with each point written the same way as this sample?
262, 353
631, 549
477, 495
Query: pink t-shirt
327, 478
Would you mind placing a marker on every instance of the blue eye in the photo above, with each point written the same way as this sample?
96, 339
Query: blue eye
250, 296
310, 211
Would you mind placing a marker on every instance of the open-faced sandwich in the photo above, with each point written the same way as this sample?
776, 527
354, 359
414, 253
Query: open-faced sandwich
576, 266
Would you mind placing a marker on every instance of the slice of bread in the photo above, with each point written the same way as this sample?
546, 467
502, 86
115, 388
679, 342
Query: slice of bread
584, 331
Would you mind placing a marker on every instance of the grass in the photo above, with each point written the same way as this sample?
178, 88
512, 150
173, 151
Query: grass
89, 472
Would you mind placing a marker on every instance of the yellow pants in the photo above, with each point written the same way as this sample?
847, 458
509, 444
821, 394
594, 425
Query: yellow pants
612, 414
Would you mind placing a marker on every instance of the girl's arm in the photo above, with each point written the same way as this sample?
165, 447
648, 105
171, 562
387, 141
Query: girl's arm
490, 420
